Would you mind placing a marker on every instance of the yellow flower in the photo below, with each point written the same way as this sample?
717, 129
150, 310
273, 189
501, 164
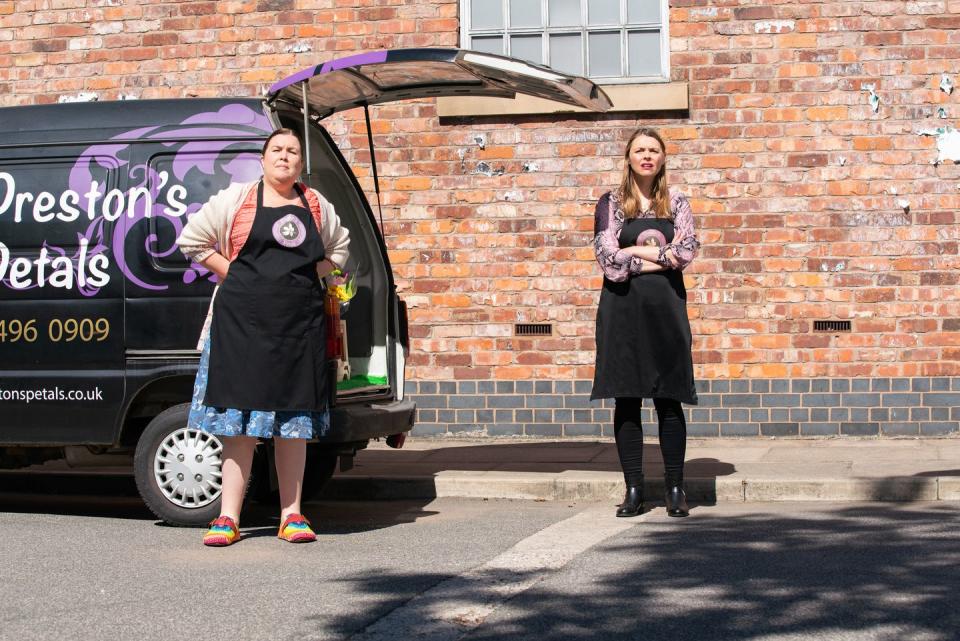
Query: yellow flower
343, 285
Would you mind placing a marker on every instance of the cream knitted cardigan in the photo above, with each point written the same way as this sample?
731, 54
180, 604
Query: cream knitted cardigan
208, 231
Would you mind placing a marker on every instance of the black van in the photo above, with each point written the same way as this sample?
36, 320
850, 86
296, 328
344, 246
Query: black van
99, 311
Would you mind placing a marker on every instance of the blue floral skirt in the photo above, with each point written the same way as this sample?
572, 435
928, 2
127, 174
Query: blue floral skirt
221, 421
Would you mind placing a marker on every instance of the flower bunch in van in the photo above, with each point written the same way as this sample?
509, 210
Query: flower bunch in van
342, 285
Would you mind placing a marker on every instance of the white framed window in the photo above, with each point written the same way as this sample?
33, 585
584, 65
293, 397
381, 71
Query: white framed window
609, 41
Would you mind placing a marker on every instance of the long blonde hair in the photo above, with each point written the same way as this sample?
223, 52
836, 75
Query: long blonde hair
629, 193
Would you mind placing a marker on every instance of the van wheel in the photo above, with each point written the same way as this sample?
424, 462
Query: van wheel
177, 469
318, 469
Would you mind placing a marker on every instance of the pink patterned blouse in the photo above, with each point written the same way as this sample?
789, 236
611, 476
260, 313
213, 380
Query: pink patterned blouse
608, 221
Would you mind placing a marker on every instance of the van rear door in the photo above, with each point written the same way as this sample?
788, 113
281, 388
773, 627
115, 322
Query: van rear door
401, 74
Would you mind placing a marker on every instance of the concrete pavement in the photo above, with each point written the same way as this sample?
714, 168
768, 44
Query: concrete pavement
747, 470
476, 570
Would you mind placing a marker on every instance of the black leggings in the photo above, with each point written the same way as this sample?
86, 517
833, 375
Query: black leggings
629, 435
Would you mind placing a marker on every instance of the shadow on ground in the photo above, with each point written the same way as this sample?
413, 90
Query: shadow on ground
392, 474
552, 457
854, 573
108, 495
115, 496
333, 518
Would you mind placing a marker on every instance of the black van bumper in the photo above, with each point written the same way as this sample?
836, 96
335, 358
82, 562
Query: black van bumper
364, 421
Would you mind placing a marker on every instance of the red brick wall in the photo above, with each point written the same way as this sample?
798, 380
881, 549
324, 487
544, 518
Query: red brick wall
794, 179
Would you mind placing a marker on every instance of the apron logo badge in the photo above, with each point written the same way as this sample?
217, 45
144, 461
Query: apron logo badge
651, 238
289, 231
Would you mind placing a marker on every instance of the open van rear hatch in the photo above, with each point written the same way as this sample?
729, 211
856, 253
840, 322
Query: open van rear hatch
401, 74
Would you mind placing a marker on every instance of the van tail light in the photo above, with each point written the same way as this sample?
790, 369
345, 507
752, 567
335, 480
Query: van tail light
404, 328
397, 440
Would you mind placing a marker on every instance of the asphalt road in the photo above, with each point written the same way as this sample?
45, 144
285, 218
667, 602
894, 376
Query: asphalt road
80, 568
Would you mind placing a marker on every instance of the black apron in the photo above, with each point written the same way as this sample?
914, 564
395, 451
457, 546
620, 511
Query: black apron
643, 335
268, 332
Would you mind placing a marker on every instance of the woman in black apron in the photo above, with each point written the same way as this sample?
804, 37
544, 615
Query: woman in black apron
644, 238
263, 372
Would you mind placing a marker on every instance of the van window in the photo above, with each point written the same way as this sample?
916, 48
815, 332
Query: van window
187, 180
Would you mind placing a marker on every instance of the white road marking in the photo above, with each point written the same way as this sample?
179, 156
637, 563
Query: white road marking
451, 609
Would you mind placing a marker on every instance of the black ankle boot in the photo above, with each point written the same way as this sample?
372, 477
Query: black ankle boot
675, 498
632, 501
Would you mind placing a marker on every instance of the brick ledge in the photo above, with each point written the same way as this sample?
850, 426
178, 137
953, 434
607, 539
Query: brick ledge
646, 97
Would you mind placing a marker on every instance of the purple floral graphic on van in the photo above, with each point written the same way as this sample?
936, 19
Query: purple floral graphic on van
152, 203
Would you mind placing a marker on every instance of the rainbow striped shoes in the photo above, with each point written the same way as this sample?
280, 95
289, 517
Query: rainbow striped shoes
296, 529
223, 531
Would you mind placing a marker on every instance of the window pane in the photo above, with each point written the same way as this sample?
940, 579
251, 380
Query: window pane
486, 14
604, 54
524, 13
643, 11
644, 53
527, 48
564, 13
487, 44
604, 11
566, 53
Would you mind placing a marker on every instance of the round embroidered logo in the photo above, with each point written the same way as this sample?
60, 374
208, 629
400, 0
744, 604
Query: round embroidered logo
289, 231
651, 238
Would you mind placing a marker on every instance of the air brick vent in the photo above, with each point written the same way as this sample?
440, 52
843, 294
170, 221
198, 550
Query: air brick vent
831, 326
533, 329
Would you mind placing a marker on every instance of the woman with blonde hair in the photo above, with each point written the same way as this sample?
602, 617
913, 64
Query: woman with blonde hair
644, 238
